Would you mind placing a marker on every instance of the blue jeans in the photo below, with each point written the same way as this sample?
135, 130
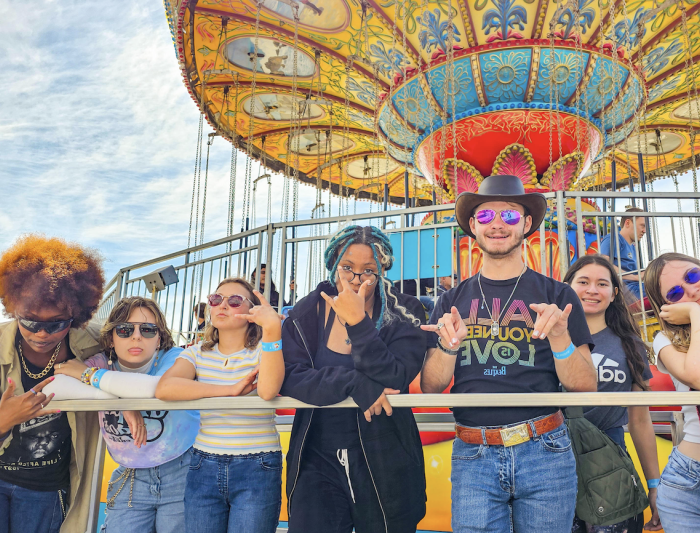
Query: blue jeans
529, 487
31, 511
154, 504
678, 500
233, 493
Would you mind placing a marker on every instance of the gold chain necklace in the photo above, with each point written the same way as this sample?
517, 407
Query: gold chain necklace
48, 367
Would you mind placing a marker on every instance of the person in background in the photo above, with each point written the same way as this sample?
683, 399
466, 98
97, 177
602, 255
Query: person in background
631, 233
355, 336
152, 448
235, 478
201, 322
622, 365
673, 287
51, 289
274, 295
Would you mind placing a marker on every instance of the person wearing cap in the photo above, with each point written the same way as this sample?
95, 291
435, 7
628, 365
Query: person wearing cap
509, 329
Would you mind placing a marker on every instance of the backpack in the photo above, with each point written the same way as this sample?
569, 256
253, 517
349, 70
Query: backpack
609, 489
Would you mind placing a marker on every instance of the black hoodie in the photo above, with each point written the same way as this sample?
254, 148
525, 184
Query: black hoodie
390, 357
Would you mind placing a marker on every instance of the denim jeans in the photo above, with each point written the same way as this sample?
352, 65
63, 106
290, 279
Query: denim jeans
678, 500
233, 493
154, 504
31, 511
529, 487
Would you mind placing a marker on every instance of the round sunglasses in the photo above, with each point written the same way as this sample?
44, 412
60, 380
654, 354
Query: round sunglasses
509, 216
49, 327
126, 329
691, 277
235, 300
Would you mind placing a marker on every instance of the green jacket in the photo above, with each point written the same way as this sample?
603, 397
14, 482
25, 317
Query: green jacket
84, 427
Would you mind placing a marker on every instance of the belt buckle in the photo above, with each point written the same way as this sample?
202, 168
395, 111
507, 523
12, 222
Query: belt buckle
515, 435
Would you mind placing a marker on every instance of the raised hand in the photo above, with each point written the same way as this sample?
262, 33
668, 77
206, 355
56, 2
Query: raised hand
678, 314
451, 328
551, 320
246, 385
264, 315
72, 368
137, 427
381, 403
17, 409
349, 305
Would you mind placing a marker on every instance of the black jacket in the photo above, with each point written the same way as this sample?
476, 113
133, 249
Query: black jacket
391, 358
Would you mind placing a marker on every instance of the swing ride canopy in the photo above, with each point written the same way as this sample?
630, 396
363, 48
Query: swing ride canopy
359, 94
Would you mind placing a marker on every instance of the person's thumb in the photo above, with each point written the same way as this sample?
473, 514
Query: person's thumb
10, 390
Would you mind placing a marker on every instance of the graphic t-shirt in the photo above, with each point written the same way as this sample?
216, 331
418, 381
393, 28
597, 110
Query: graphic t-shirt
613, 375
231, 431
38, 457
170, 433
513, 361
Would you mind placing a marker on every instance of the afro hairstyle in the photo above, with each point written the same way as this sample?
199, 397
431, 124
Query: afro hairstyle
40, 271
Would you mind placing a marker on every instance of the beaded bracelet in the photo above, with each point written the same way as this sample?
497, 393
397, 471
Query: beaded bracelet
272, 346
87, 374
446, 350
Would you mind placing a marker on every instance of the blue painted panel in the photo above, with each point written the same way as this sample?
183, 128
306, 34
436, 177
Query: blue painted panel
603, 85
412, 103
396, 131
505, 74
465, 97
408, 253
569, 66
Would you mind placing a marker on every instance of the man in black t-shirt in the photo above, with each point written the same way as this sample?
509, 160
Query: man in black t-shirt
509, 329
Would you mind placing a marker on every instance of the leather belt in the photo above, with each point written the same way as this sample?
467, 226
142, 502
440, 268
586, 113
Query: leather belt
510, 436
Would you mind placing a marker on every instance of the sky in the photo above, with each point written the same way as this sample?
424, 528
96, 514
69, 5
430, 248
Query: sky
98, 133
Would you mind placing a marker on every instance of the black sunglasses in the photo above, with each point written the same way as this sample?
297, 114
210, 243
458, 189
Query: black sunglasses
676, 293
49, 327
126, 330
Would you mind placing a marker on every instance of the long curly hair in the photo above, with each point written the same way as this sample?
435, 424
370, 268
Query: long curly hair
41, 271
618, 318
679, 335
253, 333
383, 254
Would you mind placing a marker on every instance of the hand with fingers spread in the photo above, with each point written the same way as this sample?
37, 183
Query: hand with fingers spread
137, 427
551, 321
17, 409
381, 403
264, 315
246, 385
73, 368
450, 328
350, 305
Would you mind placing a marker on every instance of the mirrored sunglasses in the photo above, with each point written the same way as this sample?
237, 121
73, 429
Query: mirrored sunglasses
126, 330
676, 293
509, 216
49, 327
235, 300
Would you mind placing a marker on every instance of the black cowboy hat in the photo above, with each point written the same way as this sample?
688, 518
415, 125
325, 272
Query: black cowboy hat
500, 189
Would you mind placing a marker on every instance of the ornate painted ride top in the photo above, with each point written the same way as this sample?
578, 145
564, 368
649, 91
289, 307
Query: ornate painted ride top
355, 93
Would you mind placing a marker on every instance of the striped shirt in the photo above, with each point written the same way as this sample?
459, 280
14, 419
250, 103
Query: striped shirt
233, 431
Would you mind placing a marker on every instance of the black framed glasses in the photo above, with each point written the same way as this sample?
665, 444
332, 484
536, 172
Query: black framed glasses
366, 275
235, 300
126, 329
49, 327
691, 277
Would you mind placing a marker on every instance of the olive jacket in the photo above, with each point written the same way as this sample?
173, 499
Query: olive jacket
84, 427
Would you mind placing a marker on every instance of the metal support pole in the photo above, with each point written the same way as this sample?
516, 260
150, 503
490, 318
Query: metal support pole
563, 241
613, 184
645, 206
406, 200
435, 216
245, 245
386, 203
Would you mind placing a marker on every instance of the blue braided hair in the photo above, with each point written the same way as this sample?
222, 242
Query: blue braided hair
382, 252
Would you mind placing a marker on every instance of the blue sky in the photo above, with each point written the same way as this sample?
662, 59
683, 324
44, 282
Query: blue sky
98, 133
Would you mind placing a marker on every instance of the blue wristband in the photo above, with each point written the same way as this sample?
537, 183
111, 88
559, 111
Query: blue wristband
653, 483
97, 376
566, 353
272, 346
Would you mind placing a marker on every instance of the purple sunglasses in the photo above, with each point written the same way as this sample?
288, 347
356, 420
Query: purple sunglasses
691, 278
509, 216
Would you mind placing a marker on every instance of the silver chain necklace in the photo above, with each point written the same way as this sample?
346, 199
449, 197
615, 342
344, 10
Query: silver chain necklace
495, 327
